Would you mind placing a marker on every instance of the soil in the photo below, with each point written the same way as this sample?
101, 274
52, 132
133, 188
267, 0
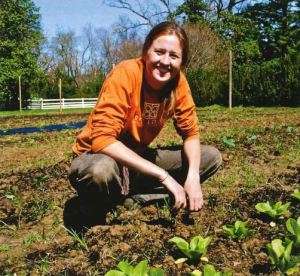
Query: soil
35, 200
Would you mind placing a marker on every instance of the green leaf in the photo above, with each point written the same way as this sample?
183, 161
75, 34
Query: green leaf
125, 267
277, 247
156, 272
141, 269
228, 229
287, 251
196, 273
283, 208
180, 243
293, 226
296, 194
114, 273
209, 270
230, 143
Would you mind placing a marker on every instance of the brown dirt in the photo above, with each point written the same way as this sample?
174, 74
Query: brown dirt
34, 196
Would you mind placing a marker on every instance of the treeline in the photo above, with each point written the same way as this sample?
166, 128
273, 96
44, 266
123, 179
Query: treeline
264, 38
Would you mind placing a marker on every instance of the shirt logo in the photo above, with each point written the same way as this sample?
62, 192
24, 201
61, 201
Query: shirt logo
150, 111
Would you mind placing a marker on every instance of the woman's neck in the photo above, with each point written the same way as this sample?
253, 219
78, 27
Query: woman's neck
157, 94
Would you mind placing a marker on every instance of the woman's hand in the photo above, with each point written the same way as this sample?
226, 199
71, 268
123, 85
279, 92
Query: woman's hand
193, 189
177, 190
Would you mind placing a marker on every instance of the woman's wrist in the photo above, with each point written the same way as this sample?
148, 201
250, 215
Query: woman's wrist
164, 176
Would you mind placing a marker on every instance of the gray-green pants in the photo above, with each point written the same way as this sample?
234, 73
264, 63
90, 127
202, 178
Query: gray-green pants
99, 178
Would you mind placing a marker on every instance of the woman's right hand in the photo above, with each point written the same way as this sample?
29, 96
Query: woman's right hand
177, 190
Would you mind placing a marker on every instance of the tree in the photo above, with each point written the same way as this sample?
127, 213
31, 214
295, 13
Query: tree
147, 13
20, 37
278, 24
193, 11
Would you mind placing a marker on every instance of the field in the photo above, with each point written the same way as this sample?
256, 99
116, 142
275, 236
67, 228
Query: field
261, 153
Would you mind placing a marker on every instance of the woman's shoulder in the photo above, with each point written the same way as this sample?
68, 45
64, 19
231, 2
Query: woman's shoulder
132, 65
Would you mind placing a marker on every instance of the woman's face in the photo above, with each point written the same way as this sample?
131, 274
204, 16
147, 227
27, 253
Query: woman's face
162, 60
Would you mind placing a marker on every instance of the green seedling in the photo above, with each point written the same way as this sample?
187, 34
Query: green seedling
293, 226
280, 256
238, 231
209, 270
273, 210
197, 247
4, 247
296, 194
141, 269
19, 203
34, 237
77, 238
228, 143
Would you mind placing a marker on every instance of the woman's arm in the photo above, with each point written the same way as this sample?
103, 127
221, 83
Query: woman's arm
129, 158
192, 184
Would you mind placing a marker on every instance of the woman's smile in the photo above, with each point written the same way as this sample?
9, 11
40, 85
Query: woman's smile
163, 61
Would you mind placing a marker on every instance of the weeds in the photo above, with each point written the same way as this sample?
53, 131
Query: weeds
19, 204
34, 237
4, 247
81, 240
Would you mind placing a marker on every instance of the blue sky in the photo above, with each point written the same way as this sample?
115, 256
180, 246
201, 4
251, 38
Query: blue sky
75, 14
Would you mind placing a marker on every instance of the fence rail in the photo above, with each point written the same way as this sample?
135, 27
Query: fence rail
63, 103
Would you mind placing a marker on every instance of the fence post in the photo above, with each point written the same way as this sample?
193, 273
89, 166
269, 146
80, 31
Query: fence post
41, 104
82, 102
63, 103
20, 94
59, 92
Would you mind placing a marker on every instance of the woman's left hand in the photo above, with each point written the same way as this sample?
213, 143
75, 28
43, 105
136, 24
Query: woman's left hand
193, 189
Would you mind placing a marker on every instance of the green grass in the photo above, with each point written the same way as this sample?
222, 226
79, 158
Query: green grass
43, 112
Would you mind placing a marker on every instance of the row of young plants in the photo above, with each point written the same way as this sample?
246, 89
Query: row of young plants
279, 251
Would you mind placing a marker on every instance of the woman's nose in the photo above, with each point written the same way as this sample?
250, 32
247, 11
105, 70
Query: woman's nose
165, 59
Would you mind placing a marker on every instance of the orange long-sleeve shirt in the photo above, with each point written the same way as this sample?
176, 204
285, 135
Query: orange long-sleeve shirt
120, 113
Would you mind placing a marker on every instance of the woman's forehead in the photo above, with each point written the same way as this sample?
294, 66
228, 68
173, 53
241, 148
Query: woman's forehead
167, 41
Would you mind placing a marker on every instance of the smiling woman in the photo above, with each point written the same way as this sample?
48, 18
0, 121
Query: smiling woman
113, 162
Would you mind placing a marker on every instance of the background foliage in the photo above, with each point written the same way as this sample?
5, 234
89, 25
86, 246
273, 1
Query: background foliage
264, 37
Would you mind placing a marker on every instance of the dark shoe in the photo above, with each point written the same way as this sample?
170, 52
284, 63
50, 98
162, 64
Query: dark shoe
144, 199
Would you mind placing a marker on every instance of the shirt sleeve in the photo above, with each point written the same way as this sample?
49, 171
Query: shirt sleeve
112, 108
185, 117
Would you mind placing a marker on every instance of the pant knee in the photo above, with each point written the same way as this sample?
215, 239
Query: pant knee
104, 171
92, 173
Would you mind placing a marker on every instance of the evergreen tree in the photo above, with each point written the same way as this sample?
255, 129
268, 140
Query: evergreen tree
278, 22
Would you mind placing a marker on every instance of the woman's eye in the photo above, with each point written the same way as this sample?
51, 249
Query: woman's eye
159, 52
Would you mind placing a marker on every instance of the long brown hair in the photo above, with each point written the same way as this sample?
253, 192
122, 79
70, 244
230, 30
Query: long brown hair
169, 28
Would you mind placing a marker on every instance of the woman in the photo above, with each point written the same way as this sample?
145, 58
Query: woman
113, 160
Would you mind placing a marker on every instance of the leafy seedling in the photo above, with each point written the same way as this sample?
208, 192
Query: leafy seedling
296, 194
293, 226
193, 251
280, 256
209, 270
126, 269
238, 231
229, 143
273, 210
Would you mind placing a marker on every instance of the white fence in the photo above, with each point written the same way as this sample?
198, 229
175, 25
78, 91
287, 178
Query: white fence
63, 103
